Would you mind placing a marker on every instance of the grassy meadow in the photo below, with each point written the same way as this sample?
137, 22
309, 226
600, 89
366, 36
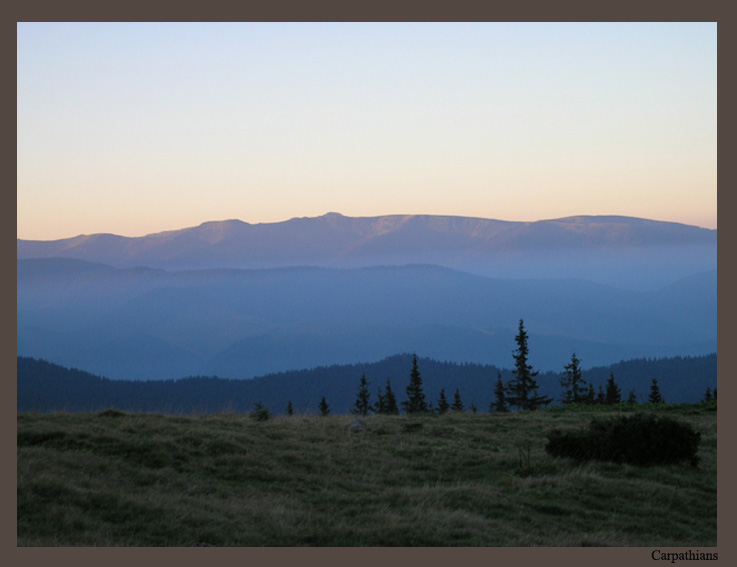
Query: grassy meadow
125, 479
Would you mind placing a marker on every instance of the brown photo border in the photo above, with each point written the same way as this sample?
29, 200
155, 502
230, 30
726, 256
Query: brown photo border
293, 10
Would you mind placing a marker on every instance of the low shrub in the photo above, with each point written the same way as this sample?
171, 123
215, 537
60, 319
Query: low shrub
260, 412
639, 439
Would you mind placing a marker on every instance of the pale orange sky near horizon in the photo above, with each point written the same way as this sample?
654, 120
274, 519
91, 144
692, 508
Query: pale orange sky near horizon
147, 231
134, 129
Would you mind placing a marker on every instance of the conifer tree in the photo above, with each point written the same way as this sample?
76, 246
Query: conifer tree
362, 405
574, 385
632, 398
260, 412
601, 396
290, 410
590, 395
655, 397
390, 400
323, 407
500, 401
457, 402
415, 396
522, 389
707, 395
443, 405
380, 405
472, 407
613, 394
387, 402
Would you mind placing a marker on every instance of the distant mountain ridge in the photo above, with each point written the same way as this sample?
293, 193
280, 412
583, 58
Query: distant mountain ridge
154, 324
244, 300
485, 246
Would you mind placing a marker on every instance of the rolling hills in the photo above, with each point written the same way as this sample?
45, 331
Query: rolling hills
154, 324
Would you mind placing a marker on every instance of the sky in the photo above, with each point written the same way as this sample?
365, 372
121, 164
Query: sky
137, 128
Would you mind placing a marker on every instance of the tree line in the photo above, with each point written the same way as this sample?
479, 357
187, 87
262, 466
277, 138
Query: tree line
44, 386
521, 392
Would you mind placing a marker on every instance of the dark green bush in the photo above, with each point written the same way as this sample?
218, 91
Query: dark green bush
639, 439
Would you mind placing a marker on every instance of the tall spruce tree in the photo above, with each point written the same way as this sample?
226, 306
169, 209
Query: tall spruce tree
574, 385
415, 396
362, 405
499, 404
654, 397
323, 407
457, 402
390, 400
290, 409
522, 389
443, 405
613, 393
707, 395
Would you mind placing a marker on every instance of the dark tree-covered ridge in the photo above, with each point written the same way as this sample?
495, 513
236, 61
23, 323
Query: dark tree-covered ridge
45, 387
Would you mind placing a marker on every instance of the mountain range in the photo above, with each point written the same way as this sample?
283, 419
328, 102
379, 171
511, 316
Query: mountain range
239, 301
608, 249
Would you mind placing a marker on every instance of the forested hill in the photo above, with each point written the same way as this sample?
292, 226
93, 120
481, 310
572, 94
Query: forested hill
47, 387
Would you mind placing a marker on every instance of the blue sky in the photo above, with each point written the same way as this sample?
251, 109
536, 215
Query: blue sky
134, 128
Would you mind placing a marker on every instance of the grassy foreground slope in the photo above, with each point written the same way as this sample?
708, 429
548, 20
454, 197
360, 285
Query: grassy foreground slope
116, 479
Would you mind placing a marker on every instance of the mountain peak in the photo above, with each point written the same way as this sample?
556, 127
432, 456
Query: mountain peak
221, 223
